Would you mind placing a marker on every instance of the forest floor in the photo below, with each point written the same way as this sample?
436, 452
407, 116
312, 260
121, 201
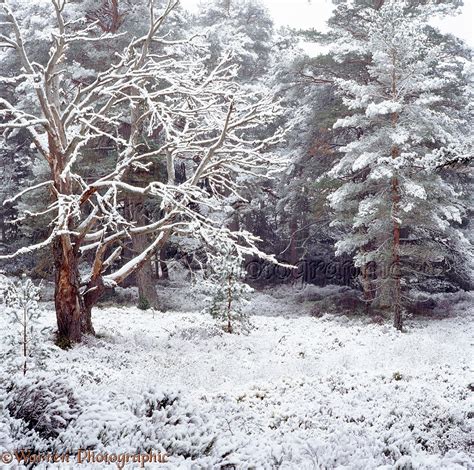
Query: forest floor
295, 392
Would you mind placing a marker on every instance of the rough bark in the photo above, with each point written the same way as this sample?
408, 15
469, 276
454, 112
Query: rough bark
146, 284
144, 276
67, 299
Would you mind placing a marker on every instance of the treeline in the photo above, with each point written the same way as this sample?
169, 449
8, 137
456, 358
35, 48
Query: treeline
151, 134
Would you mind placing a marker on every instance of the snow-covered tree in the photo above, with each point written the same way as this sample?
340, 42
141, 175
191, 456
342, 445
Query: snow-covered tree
25, 337
179, 112
301, 206
227, 289
400, 214
244, 28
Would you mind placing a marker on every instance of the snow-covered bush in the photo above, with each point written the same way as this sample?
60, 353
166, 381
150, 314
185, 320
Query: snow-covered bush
227, 289
45, 414
25, 338
46, 405
5, 429
164, 419
153, 420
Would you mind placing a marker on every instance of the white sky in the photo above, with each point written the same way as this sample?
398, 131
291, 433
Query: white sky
314, 13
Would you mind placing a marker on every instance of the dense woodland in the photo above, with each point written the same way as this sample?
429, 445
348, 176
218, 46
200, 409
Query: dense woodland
139, 134
219, 250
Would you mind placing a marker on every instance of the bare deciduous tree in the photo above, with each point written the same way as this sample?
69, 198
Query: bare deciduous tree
205, 120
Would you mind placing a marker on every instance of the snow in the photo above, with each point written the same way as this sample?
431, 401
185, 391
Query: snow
385, 107
413, 189
296, 392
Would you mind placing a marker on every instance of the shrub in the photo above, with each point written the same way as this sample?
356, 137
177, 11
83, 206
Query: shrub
164, 419
143, 303
153, 420
47, 405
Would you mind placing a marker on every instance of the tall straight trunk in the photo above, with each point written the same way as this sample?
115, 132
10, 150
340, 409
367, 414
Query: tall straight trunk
367, 285
395, 261
67, 298
395, 265
144, 276
229, 304
145, 280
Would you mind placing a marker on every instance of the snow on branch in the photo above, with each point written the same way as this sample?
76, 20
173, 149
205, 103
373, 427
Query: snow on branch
177, 111
12, 199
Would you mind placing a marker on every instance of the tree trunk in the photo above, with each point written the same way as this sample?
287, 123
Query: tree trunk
163, 267
395, 263
229, 304
146, 282
67, 299
395, 267
368, 288
145, 279
95, 290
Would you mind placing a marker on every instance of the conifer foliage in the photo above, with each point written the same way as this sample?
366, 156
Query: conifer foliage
25, 338
397, 211
227, 290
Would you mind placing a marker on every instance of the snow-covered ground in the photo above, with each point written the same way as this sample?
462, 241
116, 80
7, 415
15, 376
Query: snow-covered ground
296, 392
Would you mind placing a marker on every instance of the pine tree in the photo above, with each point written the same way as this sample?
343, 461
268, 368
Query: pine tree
244, 28
227, 289
398, 211
25, 337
